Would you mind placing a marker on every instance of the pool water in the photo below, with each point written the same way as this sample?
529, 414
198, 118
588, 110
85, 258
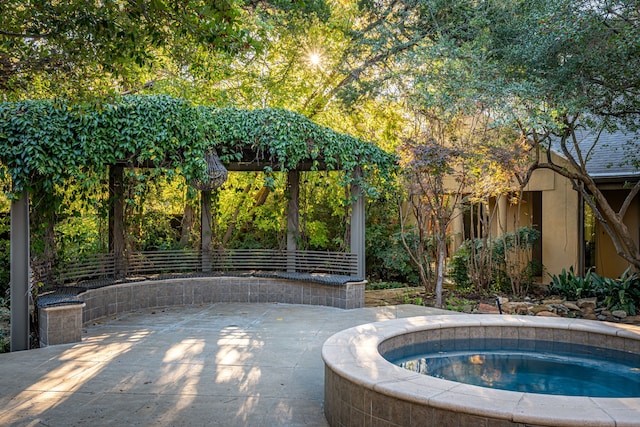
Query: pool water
585, 372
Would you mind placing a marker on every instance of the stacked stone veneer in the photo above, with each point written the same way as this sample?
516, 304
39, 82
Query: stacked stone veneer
116, 299
60, 324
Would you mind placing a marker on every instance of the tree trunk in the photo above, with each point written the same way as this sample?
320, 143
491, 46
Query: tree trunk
188, 220
440, 264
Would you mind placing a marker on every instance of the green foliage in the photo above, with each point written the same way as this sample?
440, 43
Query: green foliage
459, 304
571, 286
286, 139
622, 293
458, 267
387, 260
45, 143
385, 285
505, 263
75, 46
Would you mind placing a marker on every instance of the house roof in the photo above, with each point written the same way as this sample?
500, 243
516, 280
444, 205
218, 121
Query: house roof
612, 155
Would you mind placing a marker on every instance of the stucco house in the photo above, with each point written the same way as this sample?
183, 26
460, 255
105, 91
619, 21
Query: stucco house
570, 233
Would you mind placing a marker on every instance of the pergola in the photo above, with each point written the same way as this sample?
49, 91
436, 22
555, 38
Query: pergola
245, 140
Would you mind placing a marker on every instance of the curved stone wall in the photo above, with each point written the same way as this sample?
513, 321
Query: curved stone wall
111, 300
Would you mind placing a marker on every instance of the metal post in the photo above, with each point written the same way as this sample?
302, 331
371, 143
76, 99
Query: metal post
205, 230
358, 222
293, 218
20, 273
116, 218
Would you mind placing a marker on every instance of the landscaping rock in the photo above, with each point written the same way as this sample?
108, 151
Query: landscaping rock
620, 314
516, 307
487, 309
538, 308
547, 314
552, 301
635, 320
587, 303
571, 306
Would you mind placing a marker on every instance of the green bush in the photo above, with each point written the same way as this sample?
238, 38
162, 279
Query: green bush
458, 267
573, 287
622, 293
387, 260
502, 277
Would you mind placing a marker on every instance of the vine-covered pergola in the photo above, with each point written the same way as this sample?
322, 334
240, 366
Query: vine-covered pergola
44, 144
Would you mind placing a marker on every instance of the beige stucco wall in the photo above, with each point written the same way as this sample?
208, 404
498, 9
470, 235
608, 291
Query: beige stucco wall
559, 220
560, 212
608, 263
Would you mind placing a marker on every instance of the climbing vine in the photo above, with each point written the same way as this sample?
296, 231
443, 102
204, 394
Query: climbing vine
287, 139
44, 143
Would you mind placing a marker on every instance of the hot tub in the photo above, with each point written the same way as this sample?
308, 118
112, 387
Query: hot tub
363, 388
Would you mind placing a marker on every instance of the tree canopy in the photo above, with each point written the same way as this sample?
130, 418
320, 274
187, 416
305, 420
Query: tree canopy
103, 47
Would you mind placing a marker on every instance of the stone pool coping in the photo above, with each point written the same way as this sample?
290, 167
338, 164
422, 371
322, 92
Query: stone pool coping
364, 388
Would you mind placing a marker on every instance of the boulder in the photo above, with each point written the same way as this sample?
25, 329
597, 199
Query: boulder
487, 309
587, 303
571, 306
547, 314
620, 314
538, 308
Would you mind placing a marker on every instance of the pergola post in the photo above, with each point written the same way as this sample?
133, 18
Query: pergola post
293, 218
116, 217
358, 222
20, 273
205, 229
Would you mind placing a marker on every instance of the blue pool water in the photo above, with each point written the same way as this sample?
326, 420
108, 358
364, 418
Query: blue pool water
543, 367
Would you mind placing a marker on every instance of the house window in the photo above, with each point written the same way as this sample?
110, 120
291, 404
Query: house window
589, 238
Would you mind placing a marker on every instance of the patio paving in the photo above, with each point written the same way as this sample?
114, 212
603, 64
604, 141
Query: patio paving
225, 364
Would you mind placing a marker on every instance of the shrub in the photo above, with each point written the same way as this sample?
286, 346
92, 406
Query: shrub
503, 263
622, 293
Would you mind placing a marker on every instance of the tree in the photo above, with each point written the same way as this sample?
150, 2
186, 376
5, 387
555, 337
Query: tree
434, 164
576, 74
549, 70
75, 46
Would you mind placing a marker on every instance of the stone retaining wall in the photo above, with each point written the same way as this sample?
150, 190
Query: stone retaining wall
111, 300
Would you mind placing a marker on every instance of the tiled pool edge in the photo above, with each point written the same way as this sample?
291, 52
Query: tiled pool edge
362, 388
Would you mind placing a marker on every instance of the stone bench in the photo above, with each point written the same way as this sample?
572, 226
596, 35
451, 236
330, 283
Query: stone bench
289, 288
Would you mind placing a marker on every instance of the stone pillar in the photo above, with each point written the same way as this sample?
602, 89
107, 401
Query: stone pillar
293, 218
60, 324
457, 228
116, 218
20, 273
502, 214
205, 230
358, 222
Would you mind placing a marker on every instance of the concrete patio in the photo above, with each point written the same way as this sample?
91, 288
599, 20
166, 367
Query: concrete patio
225, 364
